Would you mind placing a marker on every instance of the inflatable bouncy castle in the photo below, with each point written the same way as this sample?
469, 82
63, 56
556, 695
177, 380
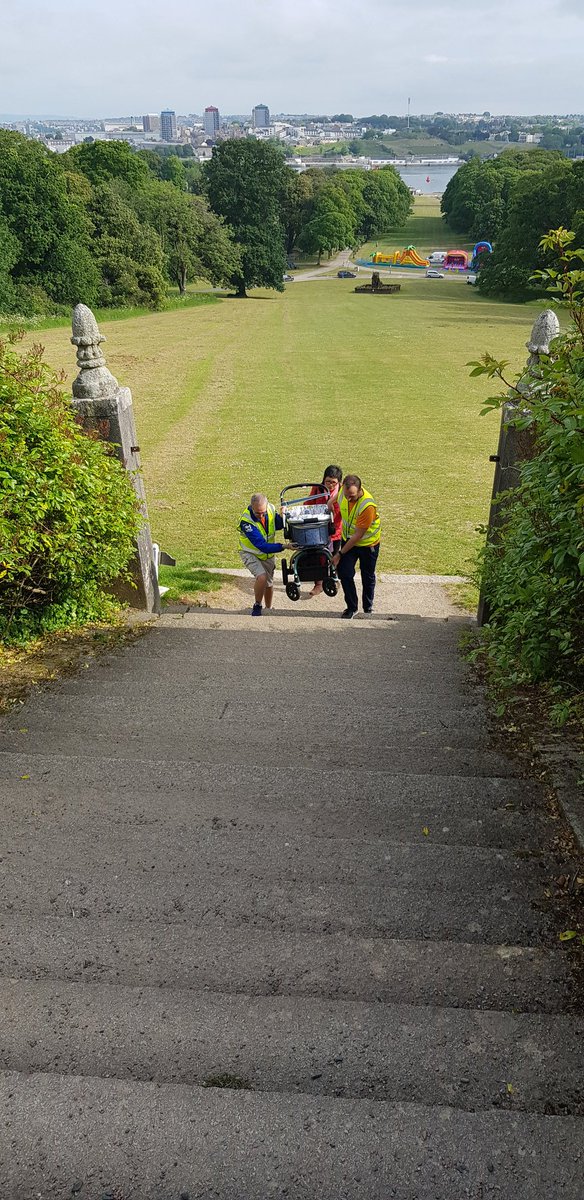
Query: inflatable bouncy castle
408, 257
479, 254
456, 260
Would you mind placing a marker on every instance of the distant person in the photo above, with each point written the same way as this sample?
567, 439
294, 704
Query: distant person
331, 480
361, 535
257, 547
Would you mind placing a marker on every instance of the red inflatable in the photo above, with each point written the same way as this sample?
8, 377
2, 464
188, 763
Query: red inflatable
456, 260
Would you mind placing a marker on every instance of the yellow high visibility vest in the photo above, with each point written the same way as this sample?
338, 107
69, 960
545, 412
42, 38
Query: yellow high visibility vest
372, 535
268, 533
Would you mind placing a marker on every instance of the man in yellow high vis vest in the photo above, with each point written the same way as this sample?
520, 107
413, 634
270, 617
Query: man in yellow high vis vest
360, 544
257, 546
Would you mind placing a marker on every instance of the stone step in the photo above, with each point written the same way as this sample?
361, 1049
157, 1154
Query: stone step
302, 622
462, 725
408, 636
405, 810
216, 648
394, 688
24, 773
268, 743
470, 909
154, 1141
460, 1058
21, 770
269, 962
220, 854
453, 733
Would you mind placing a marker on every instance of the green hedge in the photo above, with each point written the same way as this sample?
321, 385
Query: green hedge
68, 512
533, 575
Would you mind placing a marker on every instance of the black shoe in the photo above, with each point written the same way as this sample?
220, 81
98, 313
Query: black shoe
368, 611
348, 614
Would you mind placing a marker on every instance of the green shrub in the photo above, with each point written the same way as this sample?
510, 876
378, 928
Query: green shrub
533, 576
68, 512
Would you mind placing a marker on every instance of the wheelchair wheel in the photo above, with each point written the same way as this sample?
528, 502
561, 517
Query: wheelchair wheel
329, 587
292, 591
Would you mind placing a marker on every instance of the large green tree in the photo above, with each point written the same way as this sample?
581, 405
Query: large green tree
196, 243
127, 252
540, 200
388, 201
331, 227
104, 161
49, 227
246, 183
9, 252
477, 198
296, 202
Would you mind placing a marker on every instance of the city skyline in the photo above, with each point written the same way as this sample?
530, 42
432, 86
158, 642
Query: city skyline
360, 56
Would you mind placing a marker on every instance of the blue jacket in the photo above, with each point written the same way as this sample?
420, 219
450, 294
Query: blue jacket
255, 536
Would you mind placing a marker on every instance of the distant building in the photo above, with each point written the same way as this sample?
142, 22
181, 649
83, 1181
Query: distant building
261, 116
211, 121
168, 125
151, 123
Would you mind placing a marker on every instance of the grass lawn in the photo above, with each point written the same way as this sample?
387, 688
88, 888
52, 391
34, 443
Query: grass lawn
192, 299
424, 146
259, 393
426, 230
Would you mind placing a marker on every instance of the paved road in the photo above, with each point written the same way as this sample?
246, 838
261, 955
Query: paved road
273, 923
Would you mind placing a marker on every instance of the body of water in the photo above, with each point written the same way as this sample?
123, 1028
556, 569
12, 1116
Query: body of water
439, 175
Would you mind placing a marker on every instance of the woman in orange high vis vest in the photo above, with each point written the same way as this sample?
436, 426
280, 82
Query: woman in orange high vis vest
361, 536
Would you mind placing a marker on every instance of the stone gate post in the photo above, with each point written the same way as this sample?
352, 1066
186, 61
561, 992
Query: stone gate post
105, 408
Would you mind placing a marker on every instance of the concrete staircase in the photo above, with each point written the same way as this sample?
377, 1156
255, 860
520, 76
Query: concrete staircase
273, 923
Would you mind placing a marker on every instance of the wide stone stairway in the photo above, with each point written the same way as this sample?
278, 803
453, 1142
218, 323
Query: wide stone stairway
273, 922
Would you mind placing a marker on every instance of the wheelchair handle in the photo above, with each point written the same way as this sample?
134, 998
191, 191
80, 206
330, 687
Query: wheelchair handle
323, 495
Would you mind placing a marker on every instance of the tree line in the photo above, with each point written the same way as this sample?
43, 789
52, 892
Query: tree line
512, 201
111, 227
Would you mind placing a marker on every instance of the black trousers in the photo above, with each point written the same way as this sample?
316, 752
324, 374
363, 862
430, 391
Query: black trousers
367, 557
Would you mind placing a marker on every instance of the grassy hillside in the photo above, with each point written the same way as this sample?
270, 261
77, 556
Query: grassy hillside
259, 393
426, 230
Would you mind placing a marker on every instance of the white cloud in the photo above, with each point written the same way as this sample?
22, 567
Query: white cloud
362, 56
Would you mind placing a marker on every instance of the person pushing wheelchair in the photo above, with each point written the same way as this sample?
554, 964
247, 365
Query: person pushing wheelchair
360, 540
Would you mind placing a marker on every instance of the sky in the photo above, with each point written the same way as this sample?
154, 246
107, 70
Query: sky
124, 57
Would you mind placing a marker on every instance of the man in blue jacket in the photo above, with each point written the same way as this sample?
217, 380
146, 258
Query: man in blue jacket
257, 530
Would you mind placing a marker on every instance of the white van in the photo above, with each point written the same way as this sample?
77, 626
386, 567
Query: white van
436, 258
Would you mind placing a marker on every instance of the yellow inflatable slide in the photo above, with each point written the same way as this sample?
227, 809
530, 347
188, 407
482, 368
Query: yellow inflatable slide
408, 257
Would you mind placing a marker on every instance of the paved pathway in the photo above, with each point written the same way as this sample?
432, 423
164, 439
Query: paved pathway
272, 923
413, 595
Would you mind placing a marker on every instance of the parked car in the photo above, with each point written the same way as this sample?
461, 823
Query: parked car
288, 278
346, 274
472, 279
434, 274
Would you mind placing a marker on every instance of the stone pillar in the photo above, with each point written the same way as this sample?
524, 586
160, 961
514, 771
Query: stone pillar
105, 408
516, 445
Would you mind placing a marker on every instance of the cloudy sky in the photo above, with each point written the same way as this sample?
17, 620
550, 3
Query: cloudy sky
116, 57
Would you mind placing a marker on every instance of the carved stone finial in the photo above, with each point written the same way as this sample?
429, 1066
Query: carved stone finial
546, 327
94, 381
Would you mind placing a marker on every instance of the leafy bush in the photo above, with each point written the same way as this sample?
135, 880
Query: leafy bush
533, 576
68, 512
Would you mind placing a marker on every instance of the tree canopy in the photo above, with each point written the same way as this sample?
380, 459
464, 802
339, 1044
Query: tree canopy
512, 201
104, 224
246, 185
